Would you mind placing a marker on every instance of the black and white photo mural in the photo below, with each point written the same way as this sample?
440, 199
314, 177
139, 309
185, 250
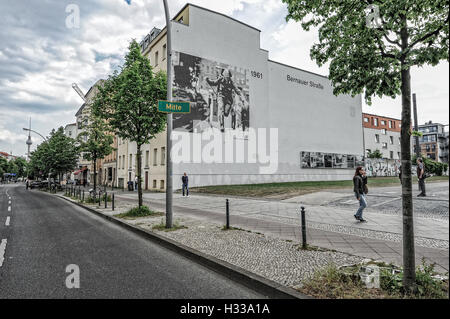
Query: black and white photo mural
327, 160
219, 94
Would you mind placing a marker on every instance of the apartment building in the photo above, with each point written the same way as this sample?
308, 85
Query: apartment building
434, 141
383, 134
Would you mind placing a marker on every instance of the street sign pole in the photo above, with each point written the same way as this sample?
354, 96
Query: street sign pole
169, 186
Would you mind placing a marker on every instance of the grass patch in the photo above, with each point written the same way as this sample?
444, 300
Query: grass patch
162, 226
138, 212
334, 283
291, 189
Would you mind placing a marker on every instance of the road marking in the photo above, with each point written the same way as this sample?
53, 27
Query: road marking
9, 202
9, 208
2, 251
7, 221
386, 202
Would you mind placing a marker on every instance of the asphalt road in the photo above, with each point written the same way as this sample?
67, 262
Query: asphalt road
46, 234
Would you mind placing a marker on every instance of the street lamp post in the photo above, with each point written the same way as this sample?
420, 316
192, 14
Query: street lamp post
169, 186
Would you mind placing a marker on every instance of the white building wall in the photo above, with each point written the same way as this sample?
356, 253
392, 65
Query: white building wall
307, 118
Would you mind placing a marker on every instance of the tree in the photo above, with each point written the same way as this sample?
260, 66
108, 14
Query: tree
95, 143
56, 156
375, 154
129, 103
374, 54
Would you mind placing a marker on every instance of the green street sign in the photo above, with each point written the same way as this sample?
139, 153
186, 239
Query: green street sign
174, 107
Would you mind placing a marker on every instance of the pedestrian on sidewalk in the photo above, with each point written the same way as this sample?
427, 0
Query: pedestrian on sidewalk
136, 183
185, 181
421, 177
360, 188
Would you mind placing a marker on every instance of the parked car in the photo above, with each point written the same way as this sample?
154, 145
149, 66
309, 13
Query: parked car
35, 184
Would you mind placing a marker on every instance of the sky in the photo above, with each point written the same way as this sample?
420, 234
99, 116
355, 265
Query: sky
43, 50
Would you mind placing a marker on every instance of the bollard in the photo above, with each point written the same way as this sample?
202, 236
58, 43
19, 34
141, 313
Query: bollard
304, 245
106, 199
228, 213
83, 196
113, 201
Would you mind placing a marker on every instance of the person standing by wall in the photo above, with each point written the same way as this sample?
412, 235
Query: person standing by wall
360, 189
185, 181
421, 177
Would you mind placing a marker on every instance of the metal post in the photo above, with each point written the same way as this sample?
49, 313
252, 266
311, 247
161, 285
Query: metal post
113, 201
169, 186
416, 126
304, 244
106, 199
228, 213
83, 196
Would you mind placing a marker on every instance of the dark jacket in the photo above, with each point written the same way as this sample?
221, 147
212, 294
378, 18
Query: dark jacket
185, 180
359, 183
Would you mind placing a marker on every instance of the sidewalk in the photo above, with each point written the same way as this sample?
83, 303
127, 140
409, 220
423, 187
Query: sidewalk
327, 227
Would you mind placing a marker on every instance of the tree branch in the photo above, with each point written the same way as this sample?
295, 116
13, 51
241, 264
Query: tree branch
428, 35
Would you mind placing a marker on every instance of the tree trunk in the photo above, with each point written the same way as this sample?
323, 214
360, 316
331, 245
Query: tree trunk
139, 169
409, 273
95, 177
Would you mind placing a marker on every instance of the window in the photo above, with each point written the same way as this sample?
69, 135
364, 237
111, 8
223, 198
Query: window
154, 183
384, 131
155, 156
391, 138
391, 153
163, 155
385, 145
383, 122
147, 155
156, 58
164, 52
131, 160
120, 161
366, 120
377, 138
162, 184
123, 162
390, 124
70, 133
375, 122
398, 154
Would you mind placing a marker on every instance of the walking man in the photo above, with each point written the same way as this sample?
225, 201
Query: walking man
421, 177
359, 187
185, 181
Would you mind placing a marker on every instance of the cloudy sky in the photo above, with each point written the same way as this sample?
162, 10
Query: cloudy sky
40, 57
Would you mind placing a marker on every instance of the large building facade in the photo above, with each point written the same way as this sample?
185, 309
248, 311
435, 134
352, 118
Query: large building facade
434, 141
252, 120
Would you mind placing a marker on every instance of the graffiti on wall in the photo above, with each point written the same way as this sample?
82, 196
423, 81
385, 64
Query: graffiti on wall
382, 167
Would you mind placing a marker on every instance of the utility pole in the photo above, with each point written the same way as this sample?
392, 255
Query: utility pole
416, 126
169, 186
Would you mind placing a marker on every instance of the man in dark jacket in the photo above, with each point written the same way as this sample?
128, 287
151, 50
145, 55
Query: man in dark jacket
360, 189
185, 181
421, 177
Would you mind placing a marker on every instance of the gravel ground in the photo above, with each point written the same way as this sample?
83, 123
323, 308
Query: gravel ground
272, 258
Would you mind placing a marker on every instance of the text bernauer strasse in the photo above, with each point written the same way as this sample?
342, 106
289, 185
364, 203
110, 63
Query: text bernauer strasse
303, 82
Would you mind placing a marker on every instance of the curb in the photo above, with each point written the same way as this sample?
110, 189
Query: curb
253, 281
